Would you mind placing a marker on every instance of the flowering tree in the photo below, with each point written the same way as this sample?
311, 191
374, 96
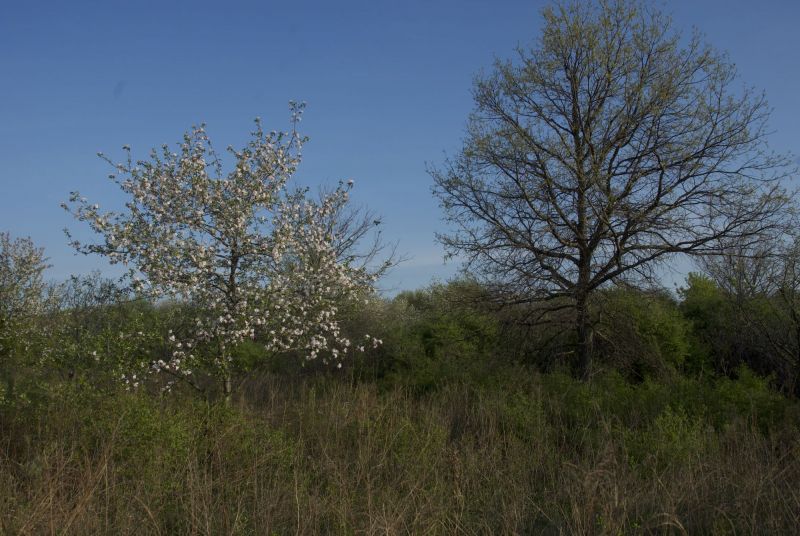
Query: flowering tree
254, 259
21, 300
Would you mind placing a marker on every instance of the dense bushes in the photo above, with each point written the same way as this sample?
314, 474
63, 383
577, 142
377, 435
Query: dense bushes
436, 335
96, 334
461, 421
448, 331
644, 334
757, 330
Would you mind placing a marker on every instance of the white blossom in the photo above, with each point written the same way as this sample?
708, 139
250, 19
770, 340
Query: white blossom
256, 259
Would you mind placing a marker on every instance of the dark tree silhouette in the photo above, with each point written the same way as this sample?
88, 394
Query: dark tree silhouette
612, 145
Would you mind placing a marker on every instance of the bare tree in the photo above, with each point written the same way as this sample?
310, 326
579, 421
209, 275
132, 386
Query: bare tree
749, 264
357, 238
612, 145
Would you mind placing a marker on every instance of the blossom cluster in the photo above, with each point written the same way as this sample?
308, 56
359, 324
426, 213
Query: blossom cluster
254, 258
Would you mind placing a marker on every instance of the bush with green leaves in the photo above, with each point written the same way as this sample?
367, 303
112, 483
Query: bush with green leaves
643, 333
433, 335
100, 331
22, 300
731, 330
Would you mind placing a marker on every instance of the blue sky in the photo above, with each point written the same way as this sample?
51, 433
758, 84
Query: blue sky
387, 85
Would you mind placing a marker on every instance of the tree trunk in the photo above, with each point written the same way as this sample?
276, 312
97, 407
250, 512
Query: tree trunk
796, 380
585, 341
227, 388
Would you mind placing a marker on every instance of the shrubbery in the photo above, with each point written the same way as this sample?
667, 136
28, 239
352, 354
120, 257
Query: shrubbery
460, 420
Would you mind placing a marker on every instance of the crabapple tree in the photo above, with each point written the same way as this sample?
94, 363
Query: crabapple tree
21, 301
253, 258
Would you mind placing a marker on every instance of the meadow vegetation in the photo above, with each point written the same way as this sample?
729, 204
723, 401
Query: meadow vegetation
460, 422
245, 377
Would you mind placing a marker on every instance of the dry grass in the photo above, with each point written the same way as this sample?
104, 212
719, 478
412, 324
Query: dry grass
334, 458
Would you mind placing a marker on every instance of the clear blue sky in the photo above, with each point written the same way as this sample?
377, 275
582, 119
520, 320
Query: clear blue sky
387, 85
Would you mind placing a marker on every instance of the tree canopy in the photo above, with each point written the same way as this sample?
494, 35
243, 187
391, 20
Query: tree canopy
608, 147
254, 258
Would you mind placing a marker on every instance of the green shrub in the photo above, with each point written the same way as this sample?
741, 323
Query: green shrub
437, 335
674, 438
643, 334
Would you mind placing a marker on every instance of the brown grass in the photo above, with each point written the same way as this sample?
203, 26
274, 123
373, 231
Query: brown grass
334, 458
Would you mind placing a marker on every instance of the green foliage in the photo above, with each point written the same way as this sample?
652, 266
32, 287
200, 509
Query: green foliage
749, 394
644, 334
22, 299
249, 355
440, 334
709, 311
734, 330
443, 406
110, 341
702, 301
674, 438
523, 415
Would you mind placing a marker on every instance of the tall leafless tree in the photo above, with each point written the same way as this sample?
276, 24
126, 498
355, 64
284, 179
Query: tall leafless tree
609, 147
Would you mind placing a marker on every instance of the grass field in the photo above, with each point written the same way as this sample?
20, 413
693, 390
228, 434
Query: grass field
524, 454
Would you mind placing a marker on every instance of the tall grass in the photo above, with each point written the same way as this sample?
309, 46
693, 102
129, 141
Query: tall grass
529, 455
